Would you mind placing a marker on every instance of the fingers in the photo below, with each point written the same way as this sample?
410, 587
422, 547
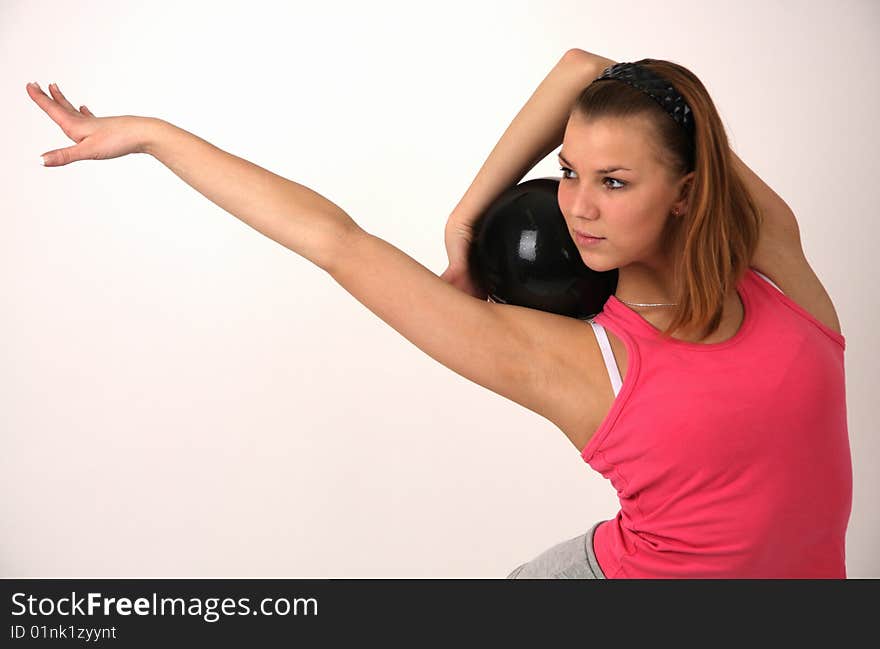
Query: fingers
61, 99
45, 102
55, 108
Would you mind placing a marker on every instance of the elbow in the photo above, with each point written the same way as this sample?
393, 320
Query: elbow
584, 60
340, 245
576, 56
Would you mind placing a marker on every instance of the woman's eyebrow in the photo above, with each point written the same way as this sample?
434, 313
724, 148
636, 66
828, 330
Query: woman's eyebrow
598, 171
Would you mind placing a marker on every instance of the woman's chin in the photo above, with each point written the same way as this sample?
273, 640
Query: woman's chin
599, 265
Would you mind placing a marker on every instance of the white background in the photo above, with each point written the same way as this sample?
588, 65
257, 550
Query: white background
181, 396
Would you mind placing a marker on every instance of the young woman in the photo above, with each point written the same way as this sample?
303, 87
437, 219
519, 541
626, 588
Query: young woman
711, 396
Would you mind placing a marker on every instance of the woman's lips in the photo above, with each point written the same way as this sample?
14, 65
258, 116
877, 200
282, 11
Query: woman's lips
587, 240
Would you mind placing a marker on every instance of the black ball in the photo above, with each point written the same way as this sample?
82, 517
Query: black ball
523, 254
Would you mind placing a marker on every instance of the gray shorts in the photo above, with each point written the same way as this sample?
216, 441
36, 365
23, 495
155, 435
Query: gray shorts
572, 559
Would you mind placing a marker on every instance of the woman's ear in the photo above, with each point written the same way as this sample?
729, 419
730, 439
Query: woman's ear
685, 184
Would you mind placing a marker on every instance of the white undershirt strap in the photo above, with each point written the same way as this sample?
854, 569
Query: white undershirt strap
769, 280
608, 355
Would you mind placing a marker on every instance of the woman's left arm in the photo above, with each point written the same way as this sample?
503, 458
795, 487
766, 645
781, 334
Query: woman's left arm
508, 349
291, 214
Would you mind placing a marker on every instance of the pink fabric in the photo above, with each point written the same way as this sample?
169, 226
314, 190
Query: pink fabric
730, 460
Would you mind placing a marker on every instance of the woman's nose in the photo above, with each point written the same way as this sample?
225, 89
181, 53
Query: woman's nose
577, 204
581, 210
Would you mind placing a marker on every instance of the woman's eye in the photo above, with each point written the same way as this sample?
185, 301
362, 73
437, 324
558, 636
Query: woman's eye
622, 184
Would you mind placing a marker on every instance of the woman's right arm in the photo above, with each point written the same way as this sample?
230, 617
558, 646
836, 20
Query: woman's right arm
535, 132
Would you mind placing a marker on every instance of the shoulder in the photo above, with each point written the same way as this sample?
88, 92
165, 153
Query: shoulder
795, 277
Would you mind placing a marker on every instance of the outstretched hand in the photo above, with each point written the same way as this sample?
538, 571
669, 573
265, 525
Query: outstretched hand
97, 138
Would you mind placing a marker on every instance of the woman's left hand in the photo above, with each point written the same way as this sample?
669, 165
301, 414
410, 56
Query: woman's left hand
97, 138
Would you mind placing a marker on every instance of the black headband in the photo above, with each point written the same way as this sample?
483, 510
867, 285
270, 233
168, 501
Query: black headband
656, 87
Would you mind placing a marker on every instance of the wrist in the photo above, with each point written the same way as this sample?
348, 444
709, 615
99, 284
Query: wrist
464, 215
460, 226
153, 130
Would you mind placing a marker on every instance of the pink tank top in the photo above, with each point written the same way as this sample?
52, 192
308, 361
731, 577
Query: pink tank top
730, 460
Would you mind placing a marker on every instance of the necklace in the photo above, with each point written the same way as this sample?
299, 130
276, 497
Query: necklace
638, 304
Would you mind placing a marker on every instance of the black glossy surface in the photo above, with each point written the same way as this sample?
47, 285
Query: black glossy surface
523, 254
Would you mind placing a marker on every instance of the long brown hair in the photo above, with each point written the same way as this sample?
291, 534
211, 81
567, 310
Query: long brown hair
713, 243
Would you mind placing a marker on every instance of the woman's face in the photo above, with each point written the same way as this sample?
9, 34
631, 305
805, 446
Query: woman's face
628, 207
